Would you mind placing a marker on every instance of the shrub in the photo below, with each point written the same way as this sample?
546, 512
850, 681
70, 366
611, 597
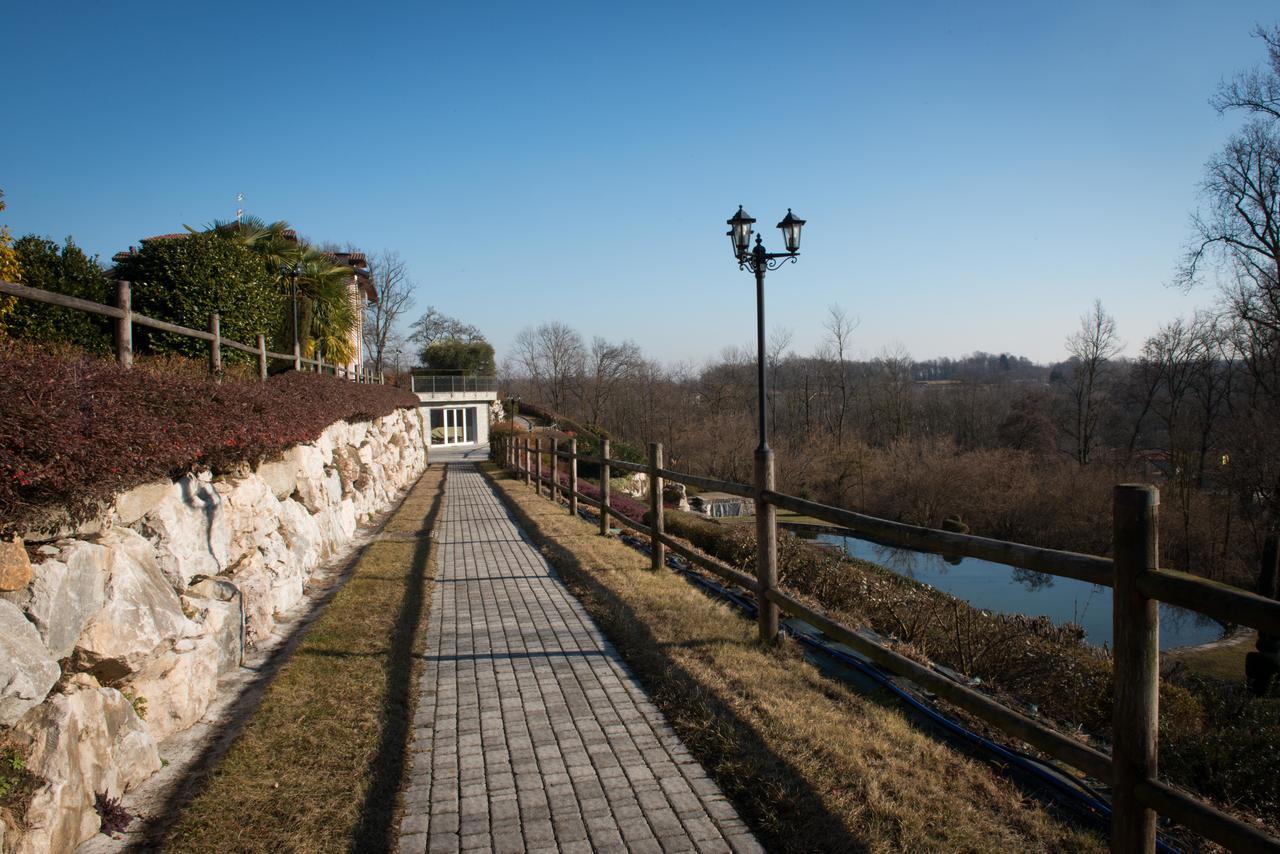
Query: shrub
471, 357
63, 270
185, 279
76, 430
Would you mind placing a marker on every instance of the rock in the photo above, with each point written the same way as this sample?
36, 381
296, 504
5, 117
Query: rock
190, 532
15, 566
219, 618
140, 616
312, 489
66, 592
27, 671
141, 500
178, 686
86, 739
253, 514
251, 578
301, 535
281, 476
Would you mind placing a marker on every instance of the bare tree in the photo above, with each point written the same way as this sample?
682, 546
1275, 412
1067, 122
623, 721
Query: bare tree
1091, 349
775, 349
435, 326
1256, 90
552, 355
839, 327
395, 291
605, 367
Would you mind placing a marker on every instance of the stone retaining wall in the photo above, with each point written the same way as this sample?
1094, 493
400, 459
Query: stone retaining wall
113, 638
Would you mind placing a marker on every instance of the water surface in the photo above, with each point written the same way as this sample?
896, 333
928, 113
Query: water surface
996, 587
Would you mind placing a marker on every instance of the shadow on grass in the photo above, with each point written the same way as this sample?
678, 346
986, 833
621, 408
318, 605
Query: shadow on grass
376, 820
376, 831
776, 801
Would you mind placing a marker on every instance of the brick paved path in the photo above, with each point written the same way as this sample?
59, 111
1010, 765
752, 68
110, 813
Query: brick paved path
531, 733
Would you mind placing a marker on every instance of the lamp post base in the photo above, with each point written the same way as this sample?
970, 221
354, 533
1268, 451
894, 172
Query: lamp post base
766, 546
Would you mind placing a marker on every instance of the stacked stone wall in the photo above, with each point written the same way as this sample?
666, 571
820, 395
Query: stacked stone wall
114, 637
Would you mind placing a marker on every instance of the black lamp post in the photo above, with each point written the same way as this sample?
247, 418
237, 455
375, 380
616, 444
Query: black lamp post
759, 261
293, 271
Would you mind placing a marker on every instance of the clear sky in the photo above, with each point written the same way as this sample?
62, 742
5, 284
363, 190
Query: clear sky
974, 174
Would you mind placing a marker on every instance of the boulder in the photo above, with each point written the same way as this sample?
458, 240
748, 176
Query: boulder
281, 476
69, 587
216, 607
85, 740
253, 514
141, 500
177, 686
301, 535
254, 581
312, 489
27, 671
15, 566
190, 531
141, 614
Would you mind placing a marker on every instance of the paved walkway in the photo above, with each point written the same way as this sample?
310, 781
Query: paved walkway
531, 733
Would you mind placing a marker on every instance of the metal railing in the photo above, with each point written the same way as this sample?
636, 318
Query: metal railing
453, 384
126, 318
1134, 574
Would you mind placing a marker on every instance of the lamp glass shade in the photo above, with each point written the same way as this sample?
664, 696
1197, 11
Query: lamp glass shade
790, 226
740, 231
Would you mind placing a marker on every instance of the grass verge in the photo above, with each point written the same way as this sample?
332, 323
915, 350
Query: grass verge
809, 764
318, 765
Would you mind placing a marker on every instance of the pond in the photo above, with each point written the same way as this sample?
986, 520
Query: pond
996, 587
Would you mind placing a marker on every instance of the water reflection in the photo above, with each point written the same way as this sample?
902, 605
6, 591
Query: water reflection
1008, 590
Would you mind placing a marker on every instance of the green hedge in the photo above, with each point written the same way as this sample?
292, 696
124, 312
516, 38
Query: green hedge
185, 279
63, 270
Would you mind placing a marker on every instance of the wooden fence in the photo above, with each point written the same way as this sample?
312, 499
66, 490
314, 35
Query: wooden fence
1134, 574
126, 318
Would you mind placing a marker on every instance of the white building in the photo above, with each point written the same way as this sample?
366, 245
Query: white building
457, 407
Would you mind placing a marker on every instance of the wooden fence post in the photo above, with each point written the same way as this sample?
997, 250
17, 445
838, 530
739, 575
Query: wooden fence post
555, 468
297, 356
124, 325
604, 487
262, 356
573, 477
766, 547
527, 462
215, 346
657, 549
1135, 633
319, 361
537, 456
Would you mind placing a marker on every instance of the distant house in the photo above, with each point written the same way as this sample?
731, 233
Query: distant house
457, 405
361, 287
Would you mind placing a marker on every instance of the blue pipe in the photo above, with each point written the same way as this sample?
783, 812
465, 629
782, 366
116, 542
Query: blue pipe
1094, 804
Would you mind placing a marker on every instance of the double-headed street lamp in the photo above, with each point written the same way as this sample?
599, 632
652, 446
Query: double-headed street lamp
293, 271
759, 261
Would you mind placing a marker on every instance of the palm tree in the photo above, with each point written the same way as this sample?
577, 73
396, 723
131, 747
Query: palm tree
327, 315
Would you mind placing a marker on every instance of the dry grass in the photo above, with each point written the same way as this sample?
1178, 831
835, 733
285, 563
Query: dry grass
318, 765
1223, 661
810, 764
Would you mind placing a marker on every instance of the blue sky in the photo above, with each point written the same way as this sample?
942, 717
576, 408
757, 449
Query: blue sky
974, 174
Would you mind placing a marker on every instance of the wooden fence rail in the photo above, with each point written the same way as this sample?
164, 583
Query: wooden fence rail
1134, 574
126, 318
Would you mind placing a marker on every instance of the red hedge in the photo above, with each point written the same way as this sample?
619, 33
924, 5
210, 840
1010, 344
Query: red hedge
76, 430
